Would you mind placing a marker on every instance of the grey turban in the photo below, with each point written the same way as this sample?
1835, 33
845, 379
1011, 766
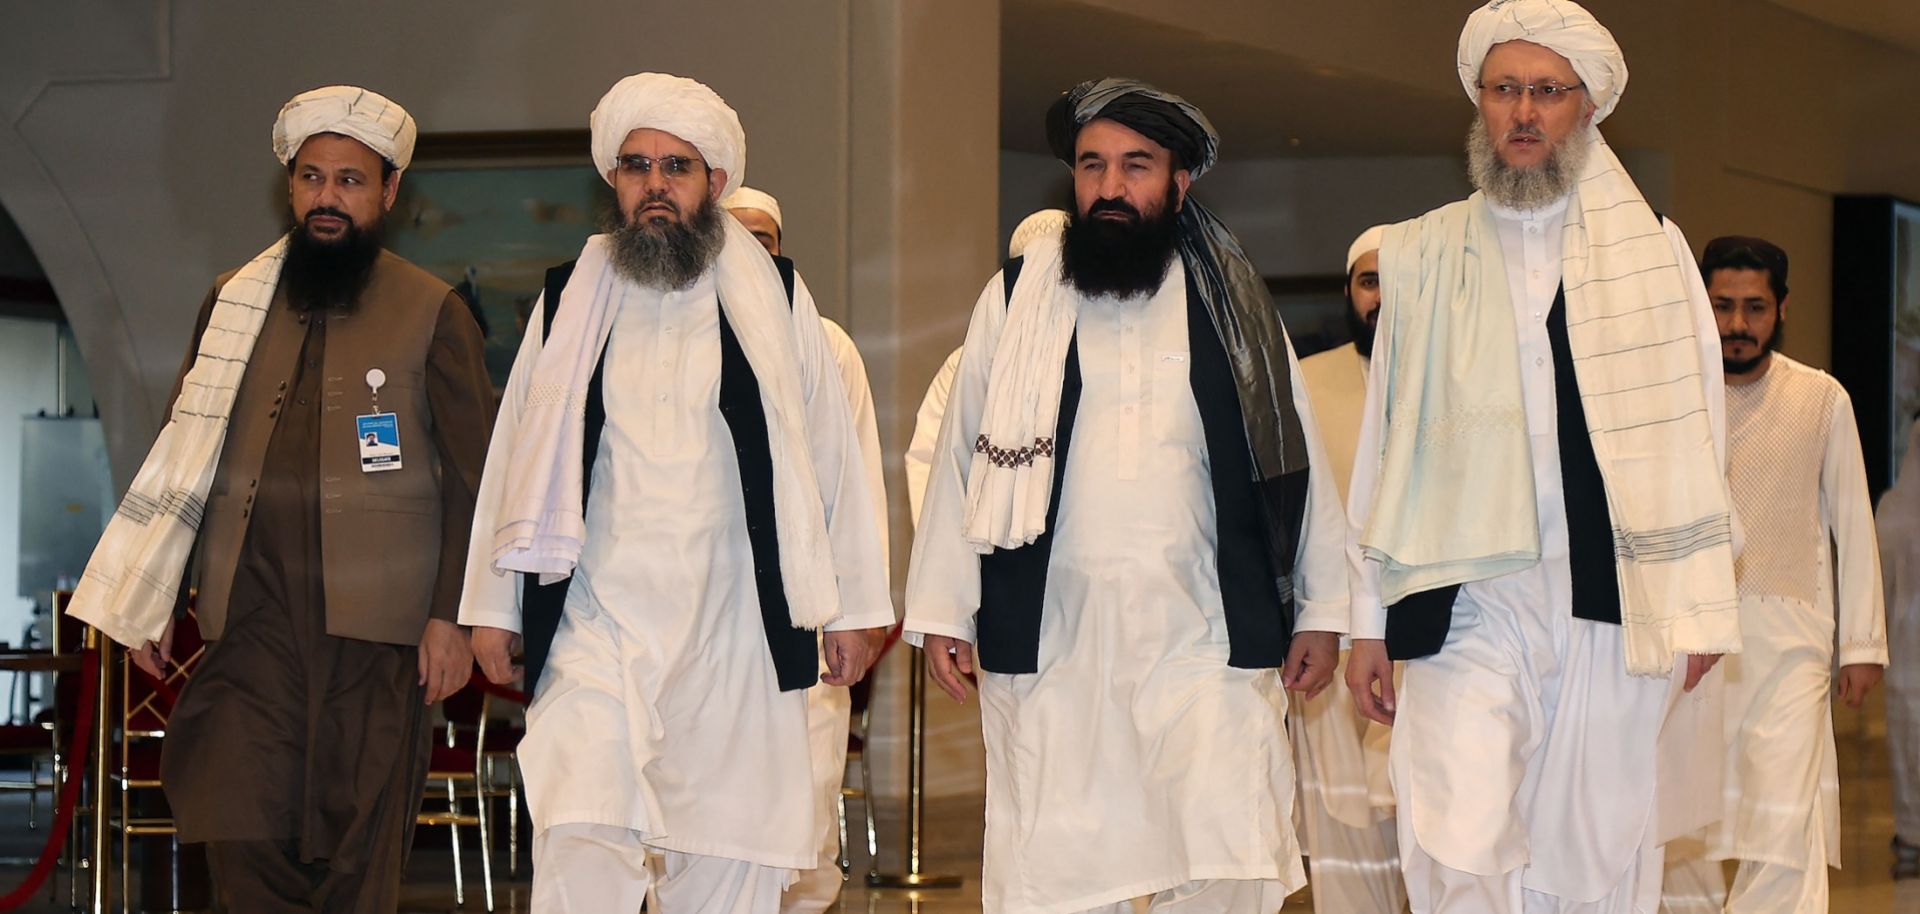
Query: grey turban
1162, 117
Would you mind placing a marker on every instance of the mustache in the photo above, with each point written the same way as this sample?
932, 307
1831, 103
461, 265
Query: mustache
1527, 130
1115, 205
656, 196
327, 211
1738, 338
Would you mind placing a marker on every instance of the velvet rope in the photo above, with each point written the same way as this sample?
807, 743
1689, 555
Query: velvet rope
69, 791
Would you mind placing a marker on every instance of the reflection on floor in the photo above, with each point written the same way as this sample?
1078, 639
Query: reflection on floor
953, 846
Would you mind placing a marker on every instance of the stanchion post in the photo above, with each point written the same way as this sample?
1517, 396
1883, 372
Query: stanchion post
913, 878
102, 748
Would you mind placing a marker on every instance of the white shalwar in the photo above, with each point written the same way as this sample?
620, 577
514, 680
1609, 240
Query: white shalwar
1798, 482
1524, 755
830, 707
1135, 761
659, 714
1345, 812
1898, 522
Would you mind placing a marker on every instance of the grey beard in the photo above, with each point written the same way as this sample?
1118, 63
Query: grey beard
1525, 188
670, 257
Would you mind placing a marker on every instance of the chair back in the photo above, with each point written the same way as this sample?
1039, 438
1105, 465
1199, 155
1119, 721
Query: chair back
146, 703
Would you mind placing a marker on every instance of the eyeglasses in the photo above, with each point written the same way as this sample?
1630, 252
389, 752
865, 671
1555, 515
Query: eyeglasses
673, 167
1543, 94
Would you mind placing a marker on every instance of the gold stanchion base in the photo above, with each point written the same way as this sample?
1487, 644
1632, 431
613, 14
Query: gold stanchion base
912, 881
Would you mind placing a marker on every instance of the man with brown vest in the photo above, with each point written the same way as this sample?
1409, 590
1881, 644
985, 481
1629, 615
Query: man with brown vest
337, 402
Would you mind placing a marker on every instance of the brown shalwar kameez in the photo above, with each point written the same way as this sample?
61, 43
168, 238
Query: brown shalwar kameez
298, 755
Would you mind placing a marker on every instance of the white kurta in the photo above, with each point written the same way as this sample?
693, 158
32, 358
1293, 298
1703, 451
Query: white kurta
918, 460
1346, 808
1523, 745
1135, 759
659, 711
1798, 480
1897, 520
830, 707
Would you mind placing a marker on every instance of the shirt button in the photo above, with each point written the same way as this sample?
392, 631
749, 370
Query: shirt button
663, 398
1128, 410
1538, 361
273, 413
1533, 230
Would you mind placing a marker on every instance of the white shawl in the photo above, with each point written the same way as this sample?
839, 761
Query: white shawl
542, 518
132, 581
1449, 508
1010, 480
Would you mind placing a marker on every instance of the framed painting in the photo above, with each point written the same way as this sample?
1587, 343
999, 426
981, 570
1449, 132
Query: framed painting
490, 212
1876, 323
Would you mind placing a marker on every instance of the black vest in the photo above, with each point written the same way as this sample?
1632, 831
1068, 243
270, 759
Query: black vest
1417, 626
1257, 596
795, 650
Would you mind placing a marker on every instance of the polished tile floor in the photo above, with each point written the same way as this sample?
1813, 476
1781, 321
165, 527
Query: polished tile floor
953, 846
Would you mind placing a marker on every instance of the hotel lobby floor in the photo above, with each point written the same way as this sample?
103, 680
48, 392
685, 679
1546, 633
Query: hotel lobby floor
953, 846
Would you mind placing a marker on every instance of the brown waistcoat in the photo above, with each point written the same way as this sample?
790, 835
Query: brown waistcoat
379, 532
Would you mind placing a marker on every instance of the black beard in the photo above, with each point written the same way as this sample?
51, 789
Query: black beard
1121, 259
1744, 366
665, 255
1361, 329
330, 275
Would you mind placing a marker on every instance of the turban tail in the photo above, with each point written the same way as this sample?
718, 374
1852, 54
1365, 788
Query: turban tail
1561, 26
350, 111
676, 105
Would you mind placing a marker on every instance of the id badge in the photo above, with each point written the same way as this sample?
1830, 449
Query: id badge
379, 435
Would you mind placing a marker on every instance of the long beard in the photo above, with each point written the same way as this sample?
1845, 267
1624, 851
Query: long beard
1121, 259
330, 275
1526, 188
1361, 328
665, 255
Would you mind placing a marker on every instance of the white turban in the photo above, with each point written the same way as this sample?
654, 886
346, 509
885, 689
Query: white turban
1369, 240
754, 198
365, 115
676, 105
1561, 26
1045, 223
